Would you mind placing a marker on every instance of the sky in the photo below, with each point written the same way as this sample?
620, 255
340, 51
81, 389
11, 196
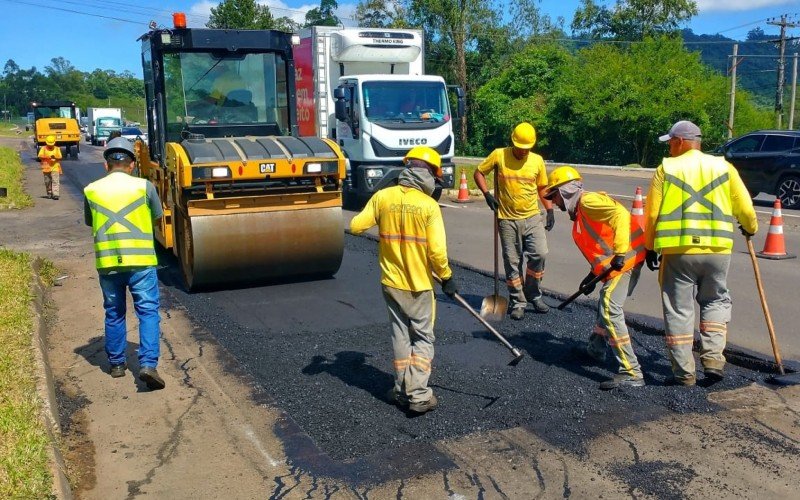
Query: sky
102, 33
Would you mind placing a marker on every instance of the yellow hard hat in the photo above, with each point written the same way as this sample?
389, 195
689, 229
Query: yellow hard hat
524, 136
428, 155
50, 140
224, 84
559, 177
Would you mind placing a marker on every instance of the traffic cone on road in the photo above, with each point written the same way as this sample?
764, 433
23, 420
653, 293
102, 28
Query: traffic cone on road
774, 246
637, 210
463, 191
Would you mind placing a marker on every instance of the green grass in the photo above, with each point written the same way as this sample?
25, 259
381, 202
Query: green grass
10, 130
470, 171
11, 172
24, 463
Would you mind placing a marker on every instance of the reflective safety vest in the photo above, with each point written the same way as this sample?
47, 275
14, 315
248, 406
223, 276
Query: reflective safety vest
696, 204
595, 240
122, 223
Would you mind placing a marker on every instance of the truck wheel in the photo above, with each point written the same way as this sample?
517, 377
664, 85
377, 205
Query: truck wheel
789, 191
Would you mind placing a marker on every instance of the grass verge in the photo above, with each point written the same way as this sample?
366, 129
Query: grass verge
11, 175
470, 171
12, 130
24, 462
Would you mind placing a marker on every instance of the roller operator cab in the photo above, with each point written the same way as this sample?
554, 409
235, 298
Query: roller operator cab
244, 197
368, 90
59, 119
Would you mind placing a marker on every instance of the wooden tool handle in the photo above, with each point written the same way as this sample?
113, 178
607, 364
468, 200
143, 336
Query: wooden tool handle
770, 327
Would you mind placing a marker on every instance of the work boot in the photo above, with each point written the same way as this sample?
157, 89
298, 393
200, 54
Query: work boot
151, 378
621, 380
517, 313
118, 371
424, 406
396, 398
682, 382
539, 306
714, 374
55, 197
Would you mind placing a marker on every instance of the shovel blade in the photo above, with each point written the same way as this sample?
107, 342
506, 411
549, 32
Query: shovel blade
493, 308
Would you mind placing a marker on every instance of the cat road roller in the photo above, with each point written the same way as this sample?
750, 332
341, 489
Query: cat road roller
245, 198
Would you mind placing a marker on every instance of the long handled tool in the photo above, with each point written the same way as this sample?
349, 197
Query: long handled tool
783, 379
514, 351
494, 307
583, 288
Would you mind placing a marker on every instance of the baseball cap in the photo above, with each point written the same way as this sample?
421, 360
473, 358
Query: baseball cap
683, 129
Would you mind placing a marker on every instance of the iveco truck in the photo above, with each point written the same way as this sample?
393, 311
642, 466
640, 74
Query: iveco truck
367, 89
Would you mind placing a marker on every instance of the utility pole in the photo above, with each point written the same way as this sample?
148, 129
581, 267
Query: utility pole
733, 89
794, 92
783, 23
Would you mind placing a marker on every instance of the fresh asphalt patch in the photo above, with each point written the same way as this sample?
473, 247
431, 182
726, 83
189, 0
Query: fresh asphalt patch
321, 352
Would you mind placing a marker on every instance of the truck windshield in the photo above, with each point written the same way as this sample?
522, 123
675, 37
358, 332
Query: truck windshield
109, 122
217, 94
406, 101
53, 112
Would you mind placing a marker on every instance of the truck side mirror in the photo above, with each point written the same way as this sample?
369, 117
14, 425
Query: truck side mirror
460, 100
340, 107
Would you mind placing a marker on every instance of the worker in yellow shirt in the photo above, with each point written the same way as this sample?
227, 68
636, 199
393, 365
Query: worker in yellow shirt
693, 202
412, 246
520, 177
608, 237
50, 158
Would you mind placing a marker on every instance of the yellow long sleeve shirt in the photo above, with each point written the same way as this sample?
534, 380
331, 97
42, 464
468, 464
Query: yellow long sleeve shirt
600, 207
412, 238
741, 205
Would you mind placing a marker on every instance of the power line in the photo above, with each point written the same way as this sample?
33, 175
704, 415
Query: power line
113, 18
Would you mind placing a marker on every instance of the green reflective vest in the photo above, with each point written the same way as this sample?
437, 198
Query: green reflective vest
696, 204
122, 223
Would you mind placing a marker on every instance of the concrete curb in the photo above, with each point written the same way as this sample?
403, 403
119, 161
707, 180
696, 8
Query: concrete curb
45, 386
474, 160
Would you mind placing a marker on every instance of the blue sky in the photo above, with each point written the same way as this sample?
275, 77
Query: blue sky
37, 30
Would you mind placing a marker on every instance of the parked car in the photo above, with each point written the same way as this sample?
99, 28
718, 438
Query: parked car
768, 162
132, 133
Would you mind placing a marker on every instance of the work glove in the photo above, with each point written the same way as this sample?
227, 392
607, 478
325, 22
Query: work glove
585, 283
745, 232
449, 287
491, 201
551, 220
618, 262
653, 260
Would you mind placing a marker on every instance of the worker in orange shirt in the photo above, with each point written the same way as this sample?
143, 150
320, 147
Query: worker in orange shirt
608, 238
50, 157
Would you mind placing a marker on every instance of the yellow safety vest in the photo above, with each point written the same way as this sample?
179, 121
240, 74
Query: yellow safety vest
696, 204
122, 223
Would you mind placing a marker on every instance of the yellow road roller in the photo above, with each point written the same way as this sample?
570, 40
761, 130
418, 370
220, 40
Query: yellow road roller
245, 198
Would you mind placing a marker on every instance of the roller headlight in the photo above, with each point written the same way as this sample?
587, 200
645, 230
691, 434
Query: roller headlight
200, 173
322, 167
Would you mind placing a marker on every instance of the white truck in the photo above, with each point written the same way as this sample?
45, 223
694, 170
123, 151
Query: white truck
101, 122
367, 89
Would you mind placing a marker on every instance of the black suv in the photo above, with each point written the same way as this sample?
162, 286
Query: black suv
768, 162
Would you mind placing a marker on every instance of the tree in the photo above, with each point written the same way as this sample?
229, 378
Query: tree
632, 19
324, 15
381, 14
456, 23
241, 14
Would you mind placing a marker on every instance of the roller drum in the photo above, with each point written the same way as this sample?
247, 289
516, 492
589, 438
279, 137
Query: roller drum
253, 246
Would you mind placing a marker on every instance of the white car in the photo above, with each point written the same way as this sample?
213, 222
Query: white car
133, 133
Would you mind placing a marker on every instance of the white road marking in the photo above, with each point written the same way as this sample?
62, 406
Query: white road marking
253, 439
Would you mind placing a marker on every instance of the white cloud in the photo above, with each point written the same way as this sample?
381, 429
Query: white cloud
738, 5
202, 10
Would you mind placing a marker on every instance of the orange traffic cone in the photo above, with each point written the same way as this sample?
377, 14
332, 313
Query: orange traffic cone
774, 246
637, 210
463, 191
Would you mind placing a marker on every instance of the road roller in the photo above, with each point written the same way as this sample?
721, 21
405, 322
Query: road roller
245, 198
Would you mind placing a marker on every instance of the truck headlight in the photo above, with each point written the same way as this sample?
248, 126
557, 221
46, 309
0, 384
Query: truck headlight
447, 170
374, 173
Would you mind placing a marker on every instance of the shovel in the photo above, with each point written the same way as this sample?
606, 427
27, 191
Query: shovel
494, 307
582, 289
514, 351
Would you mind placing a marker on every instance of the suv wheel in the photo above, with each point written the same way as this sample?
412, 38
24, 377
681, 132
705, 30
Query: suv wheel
789, 191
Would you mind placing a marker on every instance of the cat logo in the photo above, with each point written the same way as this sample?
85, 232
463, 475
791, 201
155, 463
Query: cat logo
266, 168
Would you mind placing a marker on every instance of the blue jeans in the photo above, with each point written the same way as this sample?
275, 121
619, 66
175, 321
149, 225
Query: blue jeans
143, 285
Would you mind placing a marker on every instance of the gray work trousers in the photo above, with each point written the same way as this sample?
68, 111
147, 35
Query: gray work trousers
52, 183
679, 276
523, 238
610, 328
412, 315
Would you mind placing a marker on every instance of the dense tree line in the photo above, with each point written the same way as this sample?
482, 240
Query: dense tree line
60, 80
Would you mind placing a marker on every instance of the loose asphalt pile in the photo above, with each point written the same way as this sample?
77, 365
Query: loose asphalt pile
320, 351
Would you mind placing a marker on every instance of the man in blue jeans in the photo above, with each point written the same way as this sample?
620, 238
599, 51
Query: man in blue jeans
121, 210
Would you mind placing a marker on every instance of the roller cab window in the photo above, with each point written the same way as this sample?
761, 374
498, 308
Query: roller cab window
221, 95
